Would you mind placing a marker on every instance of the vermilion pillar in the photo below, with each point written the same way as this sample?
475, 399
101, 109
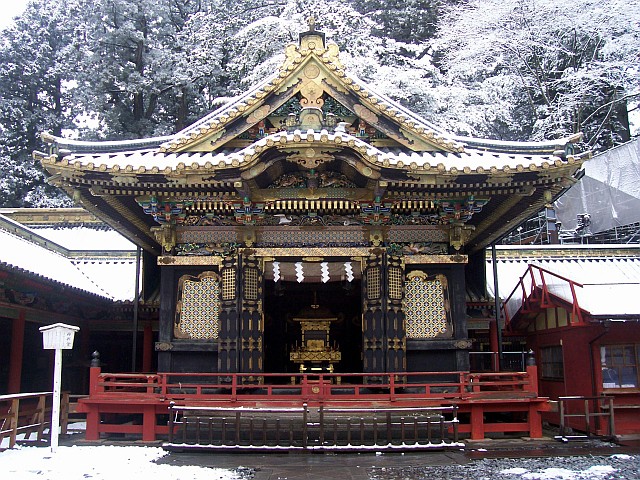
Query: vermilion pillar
17, 347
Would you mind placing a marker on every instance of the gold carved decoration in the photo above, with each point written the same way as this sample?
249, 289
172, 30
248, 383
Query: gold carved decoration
426, 306
331, 55
311, 94
365, 114
258, 114
310, 158
459, 234
312, 71
163, 346
190, 260
165, 236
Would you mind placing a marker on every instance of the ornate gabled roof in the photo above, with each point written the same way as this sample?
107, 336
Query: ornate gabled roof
336, 139
314, 71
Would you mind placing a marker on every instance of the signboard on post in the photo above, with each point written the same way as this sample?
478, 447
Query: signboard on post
58, 337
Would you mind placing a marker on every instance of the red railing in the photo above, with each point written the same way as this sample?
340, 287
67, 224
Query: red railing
388, 387
143, 399
532, 292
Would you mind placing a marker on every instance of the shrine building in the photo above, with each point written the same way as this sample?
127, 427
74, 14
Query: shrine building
312, 224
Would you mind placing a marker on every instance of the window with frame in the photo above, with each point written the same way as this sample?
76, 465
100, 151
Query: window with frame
620, 365
551, 363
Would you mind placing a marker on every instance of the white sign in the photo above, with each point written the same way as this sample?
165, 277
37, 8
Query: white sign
58, 335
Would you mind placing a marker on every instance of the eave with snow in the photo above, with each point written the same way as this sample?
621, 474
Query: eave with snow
313, 144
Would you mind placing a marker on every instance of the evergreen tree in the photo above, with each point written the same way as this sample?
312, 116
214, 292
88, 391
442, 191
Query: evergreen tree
32, 100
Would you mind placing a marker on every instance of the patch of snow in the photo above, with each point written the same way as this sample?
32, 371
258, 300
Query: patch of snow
100, 463
514, 471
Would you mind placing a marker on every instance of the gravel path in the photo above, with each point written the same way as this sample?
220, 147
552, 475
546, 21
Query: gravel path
611, 467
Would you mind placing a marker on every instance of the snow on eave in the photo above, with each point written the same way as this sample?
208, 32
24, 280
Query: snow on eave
135, 163
60, 144
547, 146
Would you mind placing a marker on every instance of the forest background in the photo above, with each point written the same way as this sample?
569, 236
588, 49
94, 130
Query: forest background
126, 69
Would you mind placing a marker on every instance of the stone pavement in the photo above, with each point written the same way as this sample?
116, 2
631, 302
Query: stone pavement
350, 466
367, 466
314, 466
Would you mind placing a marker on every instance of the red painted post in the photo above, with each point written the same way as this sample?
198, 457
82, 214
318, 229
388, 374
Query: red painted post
149, 423
93, 421
477, 422
15, 358
94, 378
532, 384
535, 421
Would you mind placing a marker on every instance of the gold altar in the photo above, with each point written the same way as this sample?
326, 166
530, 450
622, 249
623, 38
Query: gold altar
315, 353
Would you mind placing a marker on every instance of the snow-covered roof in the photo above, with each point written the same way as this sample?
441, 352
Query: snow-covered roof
471, 160
107, 277
86, 238
610, 278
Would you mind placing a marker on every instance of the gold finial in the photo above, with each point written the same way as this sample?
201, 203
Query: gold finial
312, 23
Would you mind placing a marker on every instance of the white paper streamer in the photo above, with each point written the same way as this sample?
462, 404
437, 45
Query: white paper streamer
324, 269
348, 270
299, 272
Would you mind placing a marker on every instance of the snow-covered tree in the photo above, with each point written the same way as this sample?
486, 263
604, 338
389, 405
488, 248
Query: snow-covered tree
571, 64
32, 100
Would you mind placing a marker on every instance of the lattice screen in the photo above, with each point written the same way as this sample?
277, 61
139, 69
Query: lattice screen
251, 283
228, 283
373, 283
198, 309
395, 283
426, 306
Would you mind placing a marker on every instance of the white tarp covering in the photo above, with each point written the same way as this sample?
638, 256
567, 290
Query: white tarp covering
609, 191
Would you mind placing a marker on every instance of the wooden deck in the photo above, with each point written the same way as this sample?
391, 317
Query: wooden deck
138, 404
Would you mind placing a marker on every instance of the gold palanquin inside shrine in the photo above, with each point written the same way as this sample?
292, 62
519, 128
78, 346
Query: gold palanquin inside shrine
313, 180
315, 352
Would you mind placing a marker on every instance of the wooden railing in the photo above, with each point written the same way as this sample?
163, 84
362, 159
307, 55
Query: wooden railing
588, 411
305, 387
136, 404
29, 413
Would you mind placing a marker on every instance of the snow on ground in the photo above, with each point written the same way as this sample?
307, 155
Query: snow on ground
99, 463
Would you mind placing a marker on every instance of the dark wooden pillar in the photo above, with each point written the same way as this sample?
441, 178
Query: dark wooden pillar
251, 322
457, 297
228, 335
395, 334
17, 347
167, 316
373, 341
147, 348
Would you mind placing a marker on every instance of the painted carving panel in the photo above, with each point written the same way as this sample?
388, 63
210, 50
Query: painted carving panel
198, 309
426, 306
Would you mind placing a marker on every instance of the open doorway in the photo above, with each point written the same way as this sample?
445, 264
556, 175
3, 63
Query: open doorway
284, 300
